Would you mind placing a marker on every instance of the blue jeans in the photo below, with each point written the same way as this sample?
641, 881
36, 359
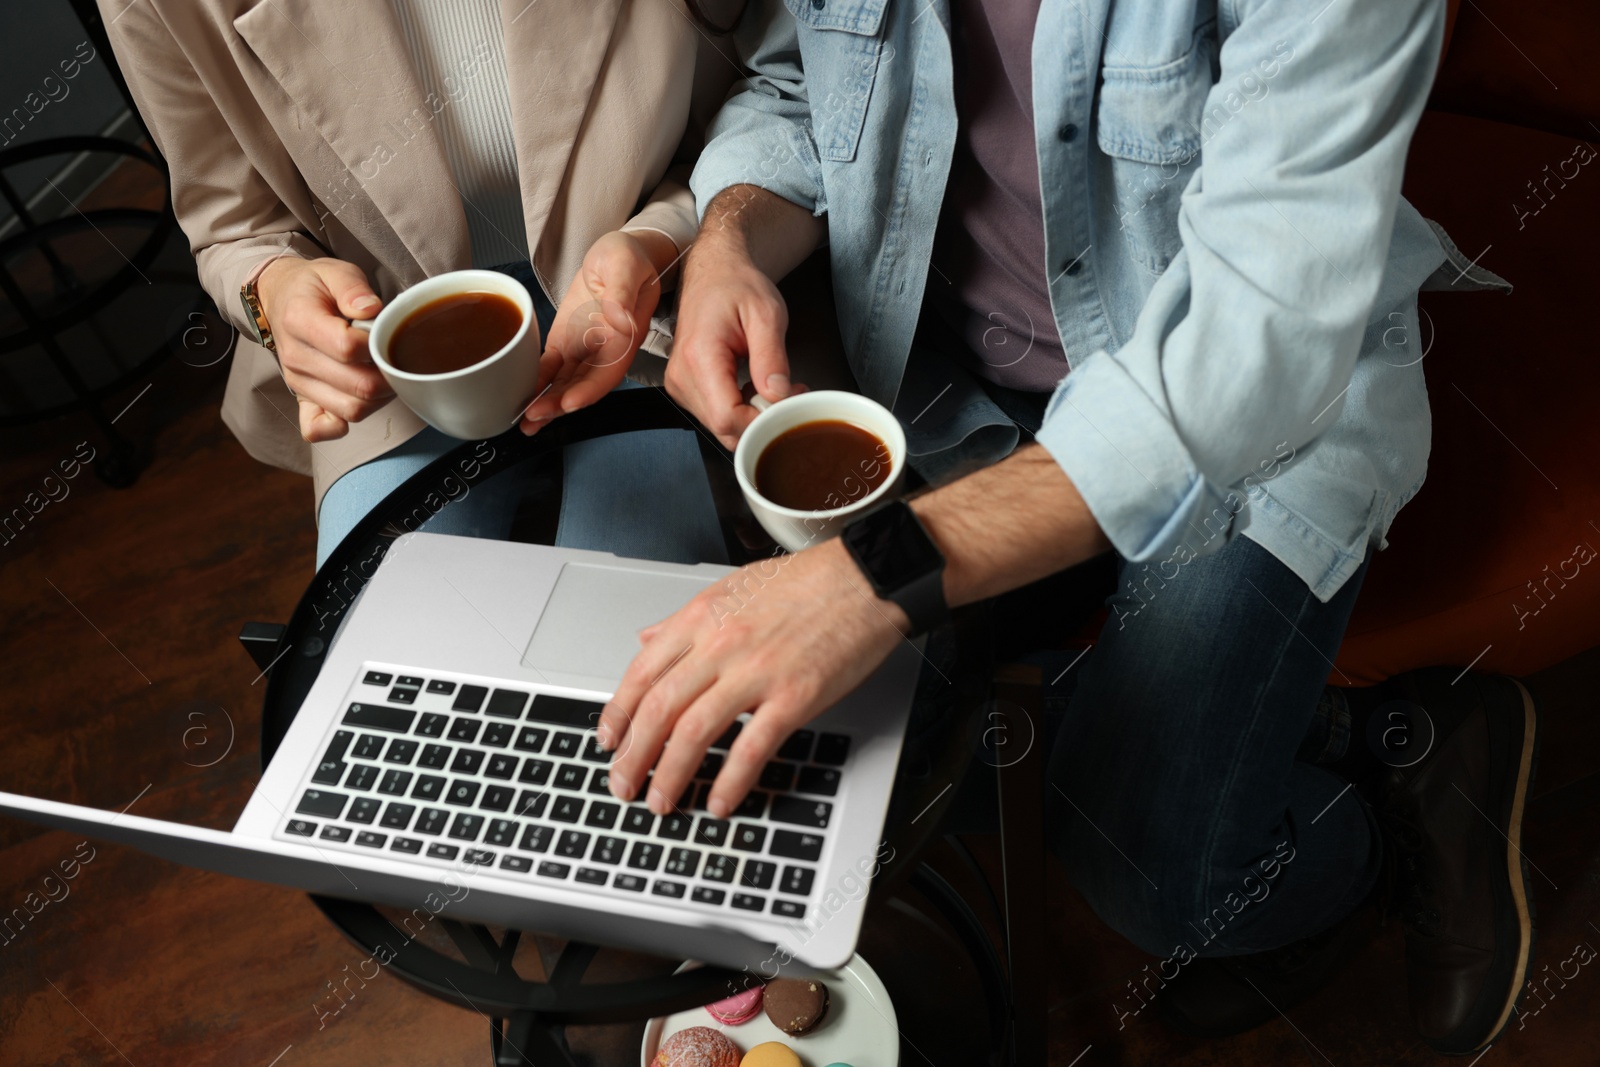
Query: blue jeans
642, 495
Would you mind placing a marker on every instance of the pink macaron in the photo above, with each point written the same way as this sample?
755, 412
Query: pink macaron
739, 1008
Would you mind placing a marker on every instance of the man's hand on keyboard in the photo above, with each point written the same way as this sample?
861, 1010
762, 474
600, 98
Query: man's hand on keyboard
785, 639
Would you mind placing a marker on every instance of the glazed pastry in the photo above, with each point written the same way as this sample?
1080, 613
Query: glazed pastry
739, 1008
698, 1046
796, 1005
770, 1054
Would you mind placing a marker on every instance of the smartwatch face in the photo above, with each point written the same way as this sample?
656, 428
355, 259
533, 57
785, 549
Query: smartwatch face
894, 547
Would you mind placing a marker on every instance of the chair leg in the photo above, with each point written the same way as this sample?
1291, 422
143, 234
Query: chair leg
1019, 762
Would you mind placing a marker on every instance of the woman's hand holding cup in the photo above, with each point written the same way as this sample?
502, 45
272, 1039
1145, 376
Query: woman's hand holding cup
309, 304
601, 322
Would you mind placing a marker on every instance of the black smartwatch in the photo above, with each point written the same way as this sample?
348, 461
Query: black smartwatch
901, 561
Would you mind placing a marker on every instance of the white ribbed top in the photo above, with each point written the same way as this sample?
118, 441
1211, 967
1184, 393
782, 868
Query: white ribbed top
459, 54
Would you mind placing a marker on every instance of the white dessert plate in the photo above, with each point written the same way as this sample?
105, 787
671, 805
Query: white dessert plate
860, 1029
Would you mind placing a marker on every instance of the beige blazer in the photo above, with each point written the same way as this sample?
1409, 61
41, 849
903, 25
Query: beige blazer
299, 126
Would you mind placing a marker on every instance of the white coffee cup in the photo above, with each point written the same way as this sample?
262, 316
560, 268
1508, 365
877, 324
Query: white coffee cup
790, 527
477, 401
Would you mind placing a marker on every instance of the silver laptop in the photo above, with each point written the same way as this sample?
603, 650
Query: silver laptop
445, 758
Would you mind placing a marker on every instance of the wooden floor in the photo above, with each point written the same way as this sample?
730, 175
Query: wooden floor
124, 685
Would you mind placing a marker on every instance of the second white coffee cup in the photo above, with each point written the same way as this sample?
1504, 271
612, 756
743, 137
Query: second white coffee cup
795, 529
477, 401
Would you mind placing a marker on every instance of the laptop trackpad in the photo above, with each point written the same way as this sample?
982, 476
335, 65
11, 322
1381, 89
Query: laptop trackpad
589, 631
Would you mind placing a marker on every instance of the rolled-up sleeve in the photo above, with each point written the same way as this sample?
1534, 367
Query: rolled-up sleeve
763, 136
1247, 343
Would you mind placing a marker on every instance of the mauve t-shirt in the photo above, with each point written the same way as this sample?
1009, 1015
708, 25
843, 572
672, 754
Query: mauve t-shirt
988, 282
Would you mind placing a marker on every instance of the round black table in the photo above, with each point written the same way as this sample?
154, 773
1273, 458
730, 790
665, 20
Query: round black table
528, 1017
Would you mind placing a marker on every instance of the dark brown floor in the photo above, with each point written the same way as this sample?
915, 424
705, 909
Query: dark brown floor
123, 682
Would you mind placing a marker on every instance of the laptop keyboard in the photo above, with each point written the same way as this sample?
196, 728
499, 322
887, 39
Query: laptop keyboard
514, 782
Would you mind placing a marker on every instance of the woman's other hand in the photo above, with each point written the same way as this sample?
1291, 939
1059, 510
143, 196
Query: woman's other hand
600, 323
308, 303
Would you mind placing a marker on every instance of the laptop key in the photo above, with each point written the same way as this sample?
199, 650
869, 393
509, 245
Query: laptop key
609, 850
329, 772
600, 782
594, 753
466, 826
409, 681
462, 793
369, 747
363, 777
501, 766
565, 711
832, 749
675, 827
567, 809
645, 856
467, 761
800, 812
758, 874
535, 771
631, 882
572, 844
709, 767
394, 783
720, 867
480, 857
401, 751
377, 678
778, 777
435, 757
797, 880
566, 745
409, 845
371, 840
465, 730
397, 816
592, 876
338, 746
798, 747
506, 704
536, 838
571, 776
321, 802
300, 828
377, 717
703, 895
397, 695
433, 725
497, 734
602, 815
335, 833
551, 869
664, 888
497, 798
442, 688
821, 781
520, 864
748, 837
789, 909
364, 810
530, 805
443, 852
502, 832
753, 806
682, 862
470, 698
794, 846
429, 787
531, 739
749, 902
712, 832
432, 822
638, 820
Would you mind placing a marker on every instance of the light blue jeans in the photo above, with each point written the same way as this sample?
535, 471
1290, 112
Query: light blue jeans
642, 495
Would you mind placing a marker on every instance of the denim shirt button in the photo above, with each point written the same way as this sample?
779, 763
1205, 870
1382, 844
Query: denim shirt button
819, 4
1073, 267
1066, 131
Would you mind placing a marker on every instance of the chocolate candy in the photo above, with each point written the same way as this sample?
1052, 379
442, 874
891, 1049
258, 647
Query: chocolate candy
796, 1005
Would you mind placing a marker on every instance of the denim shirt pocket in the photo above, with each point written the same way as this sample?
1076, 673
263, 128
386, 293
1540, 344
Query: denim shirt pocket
839, 39
1148, 121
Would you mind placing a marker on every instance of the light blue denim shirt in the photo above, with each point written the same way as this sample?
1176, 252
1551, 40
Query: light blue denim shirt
1231, 267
